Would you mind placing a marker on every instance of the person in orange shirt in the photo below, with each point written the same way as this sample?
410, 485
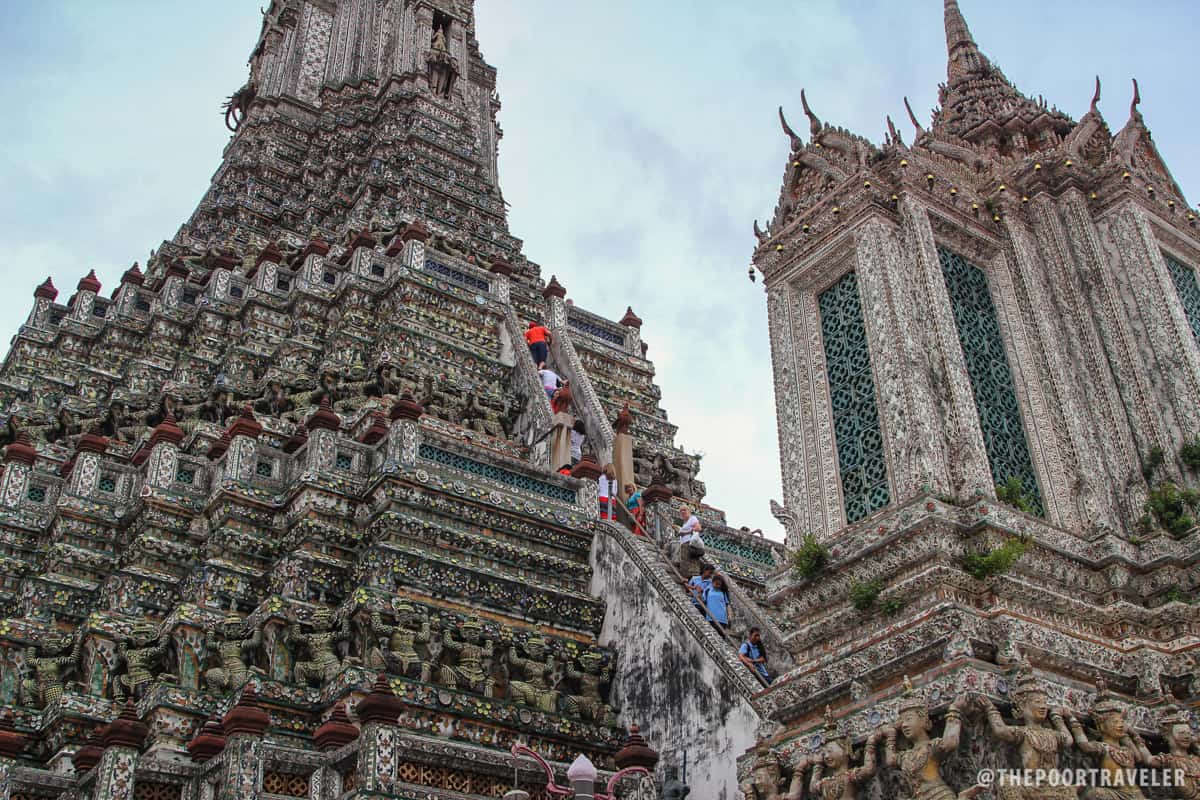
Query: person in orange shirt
537, 336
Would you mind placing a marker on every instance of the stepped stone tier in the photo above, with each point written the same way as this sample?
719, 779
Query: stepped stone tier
279, 513
988, 388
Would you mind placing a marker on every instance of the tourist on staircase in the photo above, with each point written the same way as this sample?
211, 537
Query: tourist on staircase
550, 381
689, 530
753, 654
537, 336
560, 401
606, 486
636, 509
716, 598
699, 584
578, 435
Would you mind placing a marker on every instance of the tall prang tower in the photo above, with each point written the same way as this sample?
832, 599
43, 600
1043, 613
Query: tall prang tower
282, 514
987, 376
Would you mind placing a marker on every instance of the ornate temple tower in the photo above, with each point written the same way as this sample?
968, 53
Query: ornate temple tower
279, 515
987, 375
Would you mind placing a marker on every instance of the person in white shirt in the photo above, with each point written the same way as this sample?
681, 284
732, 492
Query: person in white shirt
607, 489
690, 529
578, 434
549, 382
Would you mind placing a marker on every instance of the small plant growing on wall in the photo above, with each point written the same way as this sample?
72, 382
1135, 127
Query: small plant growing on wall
810, 558
863, 594
1175, 595
997, 561
892, 606
1189, 454
1172, 508
1012, 492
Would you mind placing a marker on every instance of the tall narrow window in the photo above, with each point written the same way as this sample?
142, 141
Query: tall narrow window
861, 464
1188, 290
991, 379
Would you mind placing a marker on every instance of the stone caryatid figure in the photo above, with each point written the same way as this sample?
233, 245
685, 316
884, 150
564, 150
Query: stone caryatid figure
1039, 740
1114, 753
765, 780
529, 678
590, 676
832, 776
397, 644
323, 663
1182, 756
142, 655
235, 649
921, 762
49, 662
472, 667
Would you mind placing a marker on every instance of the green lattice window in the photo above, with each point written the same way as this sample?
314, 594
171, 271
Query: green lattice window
440, 456
36, 493
861, 464
344, 461
185, 475
264, 469
1188, 290
991, 379
108, 484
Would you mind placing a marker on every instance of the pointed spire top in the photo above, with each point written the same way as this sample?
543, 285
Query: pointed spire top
964, 56
1133, 104
814, 124
1095, 96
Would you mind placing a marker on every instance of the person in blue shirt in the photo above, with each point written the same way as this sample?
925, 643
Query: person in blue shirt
699, 584
754, 654
716, 598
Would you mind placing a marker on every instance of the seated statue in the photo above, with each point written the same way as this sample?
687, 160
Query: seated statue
472, 670
323, 663
397, 644
235, 651
530, 684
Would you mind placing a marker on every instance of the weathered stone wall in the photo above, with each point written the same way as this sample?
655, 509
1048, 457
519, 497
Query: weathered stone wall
668, 681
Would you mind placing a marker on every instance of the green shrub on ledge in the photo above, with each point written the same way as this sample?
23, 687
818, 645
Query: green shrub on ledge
995, 562
810, 558
1189, 454
1012, 492
863, 594
892, 606
1172, 508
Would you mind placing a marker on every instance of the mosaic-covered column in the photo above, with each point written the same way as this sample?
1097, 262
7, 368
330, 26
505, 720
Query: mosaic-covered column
43, 296
19, 458
122, 741
244, 727
85, 297
378, 760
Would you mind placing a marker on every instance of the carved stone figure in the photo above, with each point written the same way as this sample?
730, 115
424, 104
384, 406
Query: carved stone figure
235, 650
1182, 756
472, 666
919, 764
1039, 740
591, 675
397, 647
274, 402
766, 776
323, 663
385, 383
832, 776
49, 662
482, 417
142, 654
1114, 752
530, 684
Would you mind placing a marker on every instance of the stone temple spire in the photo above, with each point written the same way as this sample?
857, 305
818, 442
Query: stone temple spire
964, 56
981, 106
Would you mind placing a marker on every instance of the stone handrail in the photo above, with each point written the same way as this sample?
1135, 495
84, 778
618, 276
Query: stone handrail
643, 552
536, 405
595, 418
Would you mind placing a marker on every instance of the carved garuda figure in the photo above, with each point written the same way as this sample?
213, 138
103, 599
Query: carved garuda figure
49, 662
323, 664
142, 653
529, 683
920, 763
472, 670
397, 645
238, 104
591, 675
1114, 753
1040, 739
235, 650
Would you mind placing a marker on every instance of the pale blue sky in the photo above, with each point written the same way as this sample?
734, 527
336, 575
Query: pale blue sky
640, 141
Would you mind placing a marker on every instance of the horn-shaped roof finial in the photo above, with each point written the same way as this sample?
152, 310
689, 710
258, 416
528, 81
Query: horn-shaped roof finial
814, 124
1137, 99
1096, 96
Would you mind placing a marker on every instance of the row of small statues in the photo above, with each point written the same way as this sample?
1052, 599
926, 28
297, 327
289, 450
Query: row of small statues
486, 410
461, 657
1041, 734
